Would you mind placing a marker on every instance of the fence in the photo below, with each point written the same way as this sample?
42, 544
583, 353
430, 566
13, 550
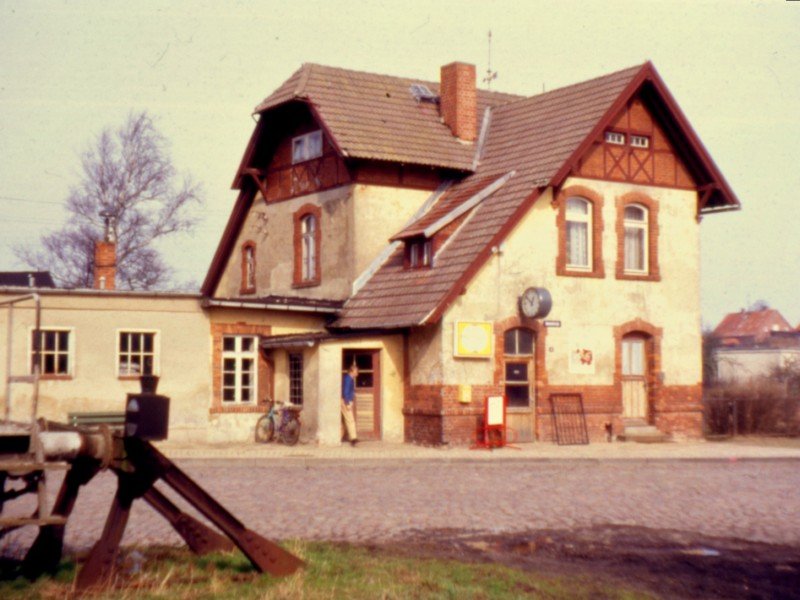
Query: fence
763, 410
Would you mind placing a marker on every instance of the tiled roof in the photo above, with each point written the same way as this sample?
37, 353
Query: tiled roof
375, 117
534, 137
758, 325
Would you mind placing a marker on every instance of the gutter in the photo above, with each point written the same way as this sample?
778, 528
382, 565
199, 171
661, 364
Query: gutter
209, 303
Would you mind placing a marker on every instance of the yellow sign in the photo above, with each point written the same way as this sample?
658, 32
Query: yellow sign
473, 339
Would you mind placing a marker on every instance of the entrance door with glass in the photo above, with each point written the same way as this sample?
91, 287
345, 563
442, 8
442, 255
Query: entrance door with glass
634, 378
367, 405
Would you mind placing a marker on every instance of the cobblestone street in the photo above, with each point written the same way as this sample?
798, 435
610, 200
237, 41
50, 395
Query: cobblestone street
387, 500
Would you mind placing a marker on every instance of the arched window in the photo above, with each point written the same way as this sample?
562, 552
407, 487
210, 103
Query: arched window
518, 349
635, 248
579, 234
308, 242
307, 237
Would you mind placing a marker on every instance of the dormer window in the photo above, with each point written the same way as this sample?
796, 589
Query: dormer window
419, 253
640, 141
307, 146
615, 137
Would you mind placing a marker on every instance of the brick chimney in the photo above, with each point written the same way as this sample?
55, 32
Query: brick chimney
458, 98
105, 258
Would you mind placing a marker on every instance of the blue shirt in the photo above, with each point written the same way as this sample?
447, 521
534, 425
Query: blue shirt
348, 388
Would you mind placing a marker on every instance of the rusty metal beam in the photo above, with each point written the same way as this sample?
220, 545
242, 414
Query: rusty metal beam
263, 554
200, 538
100, 564
45, 553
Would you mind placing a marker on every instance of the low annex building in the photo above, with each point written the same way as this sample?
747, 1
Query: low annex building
456, 243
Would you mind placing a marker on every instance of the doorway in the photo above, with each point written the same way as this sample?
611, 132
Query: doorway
634, 377
367, 404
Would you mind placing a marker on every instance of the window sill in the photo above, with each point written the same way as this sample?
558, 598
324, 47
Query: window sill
233, 408
639, 276
55, 377
590, 274
306, 284
133, 377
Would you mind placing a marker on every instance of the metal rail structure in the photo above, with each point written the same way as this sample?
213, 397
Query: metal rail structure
30, 450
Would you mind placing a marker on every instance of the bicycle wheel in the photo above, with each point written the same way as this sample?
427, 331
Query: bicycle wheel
265, 429
291, 432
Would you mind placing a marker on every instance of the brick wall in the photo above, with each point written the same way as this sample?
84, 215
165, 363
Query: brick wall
459, 100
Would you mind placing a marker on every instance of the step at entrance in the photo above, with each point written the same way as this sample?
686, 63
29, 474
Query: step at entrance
638, 430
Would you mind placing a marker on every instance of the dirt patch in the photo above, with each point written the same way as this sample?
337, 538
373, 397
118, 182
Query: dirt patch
663, 563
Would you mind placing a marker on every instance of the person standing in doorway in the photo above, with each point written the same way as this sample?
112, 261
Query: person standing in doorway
348, 395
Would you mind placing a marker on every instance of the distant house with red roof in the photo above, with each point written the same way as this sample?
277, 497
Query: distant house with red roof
752, 343
458, 243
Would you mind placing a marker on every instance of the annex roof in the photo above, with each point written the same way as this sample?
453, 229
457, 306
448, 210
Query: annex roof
27, 279
756, 325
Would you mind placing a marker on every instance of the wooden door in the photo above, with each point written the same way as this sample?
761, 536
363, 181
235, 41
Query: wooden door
367, 404
634, 378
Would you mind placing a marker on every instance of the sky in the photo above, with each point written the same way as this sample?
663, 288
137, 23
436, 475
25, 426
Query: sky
69, 69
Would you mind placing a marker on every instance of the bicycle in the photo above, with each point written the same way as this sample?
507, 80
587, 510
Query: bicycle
282, 418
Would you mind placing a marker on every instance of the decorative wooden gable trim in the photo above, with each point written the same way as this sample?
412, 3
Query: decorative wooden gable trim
642, 155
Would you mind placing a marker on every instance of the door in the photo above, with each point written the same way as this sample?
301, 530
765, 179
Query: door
367, 405
634, 377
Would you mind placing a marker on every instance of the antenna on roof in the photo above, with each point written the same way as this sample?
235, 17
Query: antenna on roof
490, 75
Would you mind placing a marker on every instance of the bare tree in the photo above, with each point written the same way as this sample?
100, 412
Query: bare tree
129, 175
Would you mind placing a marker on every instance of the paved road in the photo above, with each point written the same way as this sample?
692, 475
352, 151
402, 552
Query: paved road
382, 501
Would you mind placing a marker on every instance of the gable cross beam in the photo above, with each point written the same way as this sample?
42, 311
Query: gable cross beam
260, 178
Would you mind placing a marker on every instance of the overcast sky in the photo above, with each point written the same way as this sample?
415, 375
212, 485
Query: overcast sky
68, 69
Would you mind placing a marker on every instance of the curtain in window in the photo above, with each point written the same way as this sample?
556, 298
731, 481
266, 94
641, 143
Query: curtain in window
577, 244
634, 249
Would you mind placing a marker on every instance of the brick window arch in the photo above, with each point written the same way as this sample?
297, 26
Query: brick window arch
580, 232
248, 285
307, 250
630, 234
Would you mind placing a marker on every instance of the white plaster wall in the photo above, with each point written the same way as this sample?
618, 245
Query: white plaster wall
589, 308
740, 366
329, 381
356, 224
94, 320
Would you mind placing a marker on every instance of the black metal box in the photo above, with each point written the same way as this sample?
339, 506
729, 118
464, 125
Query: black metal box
147, 416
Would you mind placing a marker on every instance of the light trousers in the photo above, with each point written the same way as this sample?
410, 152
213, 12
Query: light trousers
349, 421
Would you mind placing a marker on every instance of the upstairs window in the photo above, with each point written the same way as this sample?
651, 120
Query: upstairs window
308, 229
615, 137
307, 237
579, 234
419, 254
248, 268
307, 146
640, 141
635, 244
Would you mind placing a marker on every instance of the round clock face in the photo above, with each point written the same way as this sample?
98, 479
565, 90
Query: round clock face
530, 302
535, 302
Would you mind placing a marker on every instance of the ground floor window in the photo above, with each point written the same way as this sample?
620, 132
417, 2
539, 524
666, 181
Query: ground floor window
239, 372
54, 351
296, 378
136, 353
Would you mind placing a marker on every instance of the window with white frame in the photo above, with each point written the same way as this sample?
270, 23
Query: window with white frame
615, 137
137, 353
640, 141
635, 245
296, 378
307, 146
55, 351
308, 241
239, 368
579, 234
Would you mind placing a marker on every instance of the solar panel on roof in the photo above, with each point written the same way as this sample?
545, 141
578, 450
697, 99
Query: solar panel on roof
422, 93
